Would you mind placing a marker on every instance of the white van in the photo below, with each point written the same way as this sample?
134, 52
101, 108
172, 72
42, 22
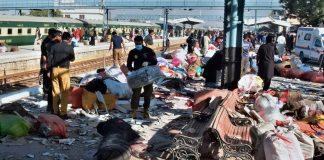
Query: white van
310, 43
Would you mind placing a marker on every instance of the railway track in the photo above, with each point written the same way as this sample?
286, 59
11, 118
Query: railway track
31, 78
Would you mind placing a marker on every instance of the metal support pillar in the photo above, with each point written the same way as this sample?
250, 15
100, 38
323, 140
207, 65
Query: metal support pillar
184, 30
233, 29
255, 22
107, 18
48, 13
165, 28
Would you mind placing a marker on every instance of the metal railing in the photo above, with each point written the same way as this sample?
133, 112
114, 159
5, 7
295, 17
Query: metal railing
115, 4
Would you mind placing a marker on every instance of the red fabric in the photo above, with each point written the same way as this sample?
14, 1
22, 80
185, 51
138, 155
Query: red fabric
75, 97
285, 72
313, 76
176, 62
54, 122
295, 73
318, 78
306, 128
284, 96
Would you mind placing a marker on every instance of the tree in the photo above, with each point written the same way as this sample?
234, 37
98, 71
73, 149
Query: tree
309, 12
44, 13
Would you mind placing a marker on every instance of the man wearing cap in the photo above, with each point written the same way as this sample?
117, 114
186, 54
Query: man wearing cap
140, 57
117, 44
59, 57
47, 84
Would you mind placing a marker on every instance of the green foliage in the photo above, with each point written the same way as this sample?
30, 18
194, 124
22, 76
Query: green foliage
309, 12
44, 13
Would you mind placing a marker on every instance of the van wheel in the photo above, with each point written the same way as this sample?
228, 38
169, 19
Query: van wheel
302, 57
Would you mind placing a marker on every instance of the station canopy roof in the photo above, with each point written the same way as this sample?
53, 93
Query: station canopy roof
266, 20
187, 20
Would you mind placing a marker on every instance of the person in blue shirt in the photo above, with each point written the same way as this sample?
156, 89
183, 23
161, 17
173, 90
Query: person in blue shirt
117, 43
247, 47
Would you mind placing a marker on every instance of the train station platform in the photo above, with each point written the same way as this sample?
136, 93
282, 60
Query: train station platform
27, 59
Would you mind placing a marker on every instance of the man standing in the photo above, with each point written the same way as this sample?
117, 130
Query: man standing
38, 36
205, 43
247, 47
60, 55
47, 83
140, 57
191, 43
117, 44
93, 35
281, 44
265, 61
149, 39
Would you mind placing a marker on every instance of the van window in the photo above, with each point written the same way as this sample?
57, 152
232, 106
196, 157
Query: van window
318, 43
19, 31
29, 31
9, 31
307, 37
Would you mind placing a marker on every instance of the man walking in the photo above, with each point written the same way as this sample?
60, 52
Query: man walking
47, 83
265, 61
117, 44
281, 44
149, 39
140, 57
60, 55
38, 36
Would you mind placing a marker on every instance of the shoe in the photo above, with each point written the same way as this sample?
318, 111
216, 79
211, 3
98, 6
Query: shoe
133, 113
64, 117
146, 114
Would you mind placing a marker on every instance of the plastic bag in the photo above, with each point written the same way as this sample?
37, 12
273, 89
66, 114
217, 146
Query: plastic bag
75, 97
250, 83
144, 76
181, 55
120, 90
13, 125
51, 125
306, 144
86, 79
117, 73
268, 108
162, 62
281, 146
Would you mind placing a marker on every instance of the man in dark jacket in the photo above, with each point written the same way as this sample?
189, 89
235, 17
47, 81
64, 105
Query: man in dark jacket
191, 43
213, 70
59, 56
140, 57
265, 61
47, 83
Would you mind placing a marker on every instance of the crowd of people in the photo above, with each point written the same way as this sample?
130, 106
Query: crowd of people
254, 60
57, 52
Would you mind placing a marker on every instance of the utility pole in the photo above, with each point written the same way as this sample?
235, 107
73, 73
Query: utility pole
233, 29
165, 28
255, 22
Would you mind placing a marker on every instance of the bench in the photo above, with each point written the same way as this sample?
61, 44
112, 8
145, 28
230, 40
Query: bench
234, 140
186, 145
